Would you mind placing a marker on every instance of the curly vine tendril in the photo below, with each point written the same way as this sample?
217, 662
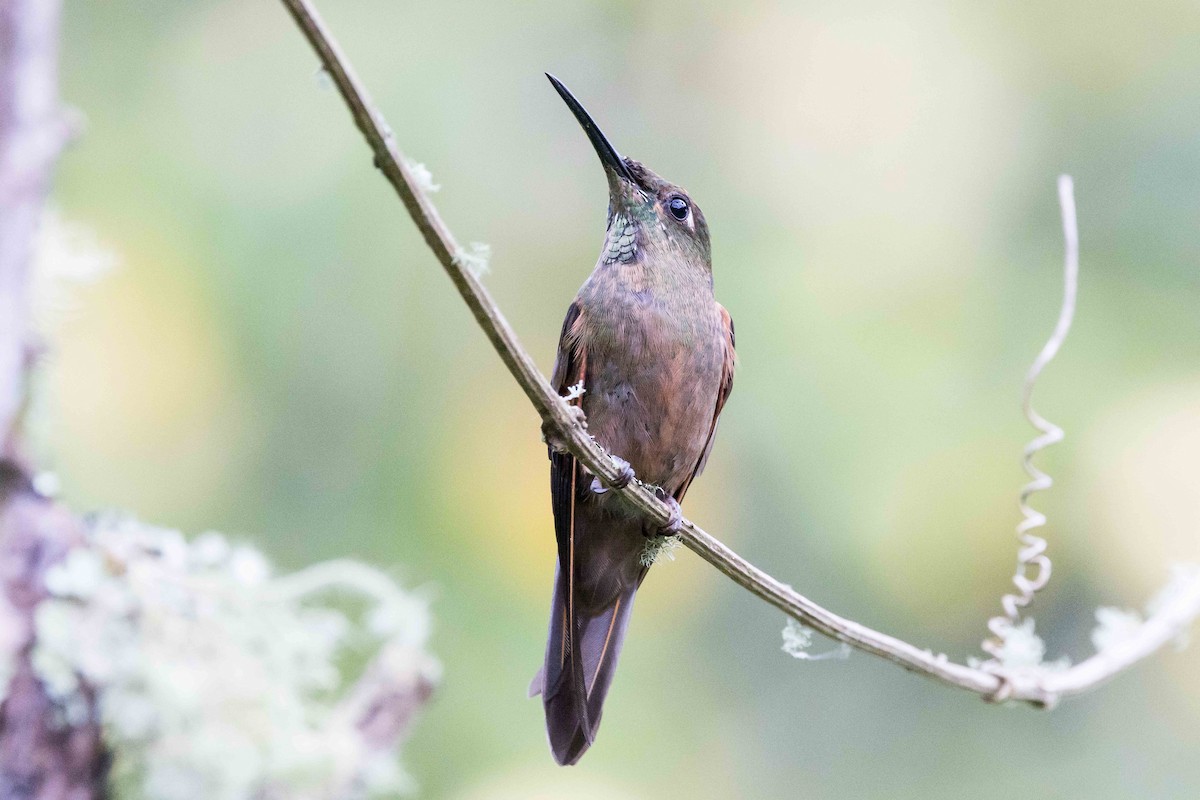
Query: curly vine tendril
1033, 565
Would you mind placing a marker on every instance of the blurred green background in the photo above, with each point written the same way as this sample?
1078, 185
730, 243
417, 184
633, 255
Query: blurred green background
279, 356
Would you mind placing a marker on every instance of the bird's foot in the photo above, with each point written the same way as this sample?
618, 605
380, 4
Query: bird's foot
624, 473
624, 477
674, 525
554, 438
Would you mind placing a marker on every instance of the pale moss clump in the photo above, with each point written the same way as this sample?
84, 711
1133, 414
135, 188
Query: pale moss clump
1018, 648
67, 256
422, 176
575, 392
658, 548
798, 638
1116, 626
216, 680
476, 259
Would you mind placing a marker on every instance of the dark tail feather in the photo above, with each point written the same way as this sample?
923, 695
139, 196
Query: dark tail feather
579, 669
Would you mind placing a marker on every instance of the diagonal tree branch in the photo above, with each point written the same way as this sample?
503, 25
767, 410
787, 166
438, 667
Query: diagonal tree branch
1038, 685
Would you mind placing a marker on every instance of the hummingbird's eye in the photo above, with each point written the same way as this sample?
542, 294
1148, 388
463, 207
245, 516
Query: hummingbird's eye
679, 207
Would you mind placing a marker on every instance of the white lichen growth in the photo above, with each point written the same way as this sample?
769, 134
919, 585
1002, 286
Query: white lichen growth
422, 176
213, 678
1020, 646
475, 259
1016, 648
574, 392
1181, 580
1113, 626
1183, 576
389, 136
47, 483
659, 547
67, 256
798, 638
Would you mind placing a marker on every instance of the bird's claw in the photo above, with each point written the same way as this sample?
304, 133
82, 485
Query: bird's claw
624, 473
624, 477
553, 438
674, 525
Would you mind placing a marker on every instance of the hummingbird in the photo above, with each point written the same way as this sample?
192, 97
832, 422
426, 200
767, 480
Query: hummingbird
647, 355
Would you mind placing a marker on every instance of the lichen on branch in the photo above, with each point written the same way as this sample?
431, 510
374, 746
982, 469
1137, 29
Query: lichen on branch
214, 678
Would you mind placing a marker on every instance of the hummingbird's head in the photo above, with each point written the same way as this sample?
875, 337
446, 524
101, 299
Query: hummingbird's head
647, 215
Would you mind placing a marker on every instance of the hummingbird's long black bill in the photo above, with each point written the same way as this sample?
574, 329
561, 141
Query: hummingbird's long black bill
609, 156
